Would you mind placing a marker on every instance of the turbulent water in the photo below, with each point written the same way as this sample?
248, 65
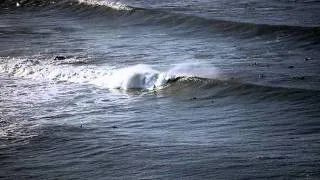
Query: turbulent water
185, 89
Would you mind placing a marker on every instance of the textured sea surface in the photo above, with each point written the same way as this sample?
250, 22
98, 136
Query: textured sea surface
184, 89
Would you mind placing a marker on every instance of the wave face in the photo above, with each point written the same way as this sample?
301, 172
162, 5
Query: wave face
148, 89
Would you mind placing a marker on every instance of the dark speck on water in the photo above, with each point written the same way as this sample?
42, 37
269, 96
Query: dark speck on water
307, 58
60, 58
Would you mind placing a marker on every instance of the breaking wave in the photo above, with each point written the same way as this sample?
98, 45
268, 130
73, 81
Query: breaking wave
139, 76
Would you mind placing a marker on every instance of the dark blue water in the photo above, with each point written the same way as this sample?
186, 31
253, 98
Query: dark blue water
95, 89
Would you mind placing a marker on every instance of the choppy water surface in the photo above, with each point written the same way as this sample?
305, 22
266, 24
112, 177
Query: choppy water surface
159, 89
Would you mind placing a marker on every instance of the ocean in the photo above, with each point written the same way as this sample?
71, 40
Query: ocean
184, 89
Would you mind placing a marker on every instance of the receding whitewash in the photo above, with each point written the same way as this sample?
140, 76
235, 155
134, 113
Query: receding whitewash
111, 4
50, 71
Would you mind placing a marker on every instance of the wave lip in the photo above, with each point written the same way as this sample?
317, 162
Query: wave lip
144, 77
107, 3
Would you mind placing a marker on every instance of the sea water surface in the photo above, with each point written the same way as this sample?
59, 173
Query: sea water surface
186, 89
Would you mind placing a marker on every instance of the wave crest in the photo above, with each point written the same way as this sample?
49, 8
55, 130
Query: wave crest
111, 4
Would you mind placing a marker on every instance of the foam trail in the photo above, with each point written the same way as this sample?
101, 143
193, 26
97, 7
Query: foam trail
51, 71
107, 3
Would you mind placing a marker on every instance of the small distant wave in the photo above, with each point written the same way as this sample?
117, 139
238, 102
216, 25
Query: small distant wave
107, 3
179, 21
196, 24
43, 3
28, 3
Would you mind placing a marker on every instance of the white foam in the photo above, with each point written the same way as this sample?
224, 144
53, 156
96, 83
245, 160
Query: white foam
111, 4
134, 77
51, 71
